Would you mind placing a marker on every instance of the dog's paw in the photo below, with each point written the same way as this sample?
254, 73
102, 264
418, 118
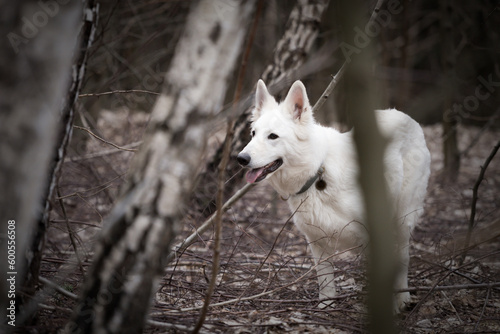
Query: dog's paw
401, 302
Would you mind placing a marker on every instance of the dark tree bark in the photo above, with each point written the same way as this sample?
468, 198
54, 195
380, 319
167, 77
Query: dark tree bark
37, 48
34, 252
135, 240
449, 84
295, 45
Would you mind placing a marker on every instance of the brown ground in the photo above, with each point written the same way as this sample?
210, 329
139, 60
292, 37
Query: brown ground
263, 252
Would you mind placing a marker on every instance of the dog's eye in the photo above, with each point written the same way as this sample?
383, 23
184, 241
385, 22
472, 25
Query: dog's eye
253, 133
273, 136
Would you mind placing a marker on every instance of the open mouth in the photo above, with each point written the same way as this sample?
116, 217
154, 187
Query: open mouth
259, 174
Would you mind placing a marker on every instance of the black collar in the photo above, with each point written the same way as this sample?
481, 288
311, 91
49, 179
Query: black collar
312, 180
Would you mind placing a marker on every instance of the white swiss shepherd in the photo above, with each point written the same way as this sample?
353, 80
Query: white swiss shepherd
315, 167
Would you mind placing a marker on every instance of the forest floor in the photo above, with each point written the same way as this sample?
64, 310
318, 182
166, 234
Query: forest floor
267, 283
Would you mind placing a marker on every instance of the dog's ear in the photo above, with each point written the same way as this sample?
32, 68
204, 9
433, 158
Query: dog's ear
297, 101
262, 97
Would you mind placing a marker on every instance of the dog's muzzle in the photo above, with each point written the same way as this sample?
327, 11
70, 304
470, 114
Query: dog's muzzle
257, 174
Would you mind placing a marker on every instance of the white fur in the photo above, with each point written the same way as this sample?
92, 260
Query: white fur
332, 219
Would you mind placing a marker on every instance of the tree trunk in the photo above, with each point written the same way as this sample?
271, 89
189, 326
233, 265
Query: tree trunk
296, 43
34, 252
37, 48
291, 51
136, 237
450, 117
361, 96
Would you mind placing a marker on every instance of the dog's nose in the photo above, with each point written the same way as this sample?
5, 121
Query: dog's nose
243, 159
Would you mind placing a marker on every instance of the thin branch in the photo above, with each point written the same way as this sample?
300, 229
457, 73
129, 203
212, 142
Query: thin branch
208, 223
119, 92
97, 189
165, 325
484, 308
452, 306
54, 308
103, 153
57, 288
272, 248
329, 89
475, 140
475, 196
70, 232
57, 221
452, 287
336, 78
104, 140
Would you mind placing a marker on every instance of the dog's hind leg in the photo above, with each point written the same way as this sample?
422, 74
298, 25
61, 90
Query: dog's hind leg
416, 162
402, 299
325, 272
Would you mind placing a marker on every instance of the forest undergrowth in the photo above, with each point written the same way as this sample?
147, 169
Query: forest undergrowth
267, 281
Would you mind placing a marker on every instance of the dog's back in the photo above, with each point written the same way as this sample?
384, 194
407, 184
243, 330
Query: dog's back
407, 163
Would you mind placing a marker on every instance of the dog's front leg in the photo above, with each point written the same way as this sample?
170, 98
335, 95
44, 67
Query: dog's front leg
325, 272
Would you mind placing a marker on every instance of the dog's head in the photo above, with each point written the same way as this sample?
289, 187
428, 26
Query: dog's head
277, 131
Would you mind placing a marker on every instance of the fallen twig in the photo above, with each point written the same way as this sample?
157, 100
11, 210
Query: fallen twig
475, 197
272, 249
164, 325
57, 288
435, 287
483, 309
265, 293
452, 287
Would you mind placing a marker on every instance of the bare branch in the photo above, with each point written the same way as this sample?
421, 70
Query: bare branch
104, 140
208, 223
127, 91
336, 78
475, 197
58, 288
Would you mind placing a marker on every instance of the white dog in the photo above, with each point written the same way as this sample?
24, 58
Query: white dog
315, 167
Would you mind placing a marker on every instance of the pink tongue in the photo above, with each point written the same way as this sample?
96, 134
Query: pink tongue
254, 174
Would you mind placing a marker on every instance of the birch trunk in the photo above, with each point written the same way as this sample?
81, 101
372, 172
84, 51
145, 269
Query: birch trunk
136, 237
37, 47
34, 252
